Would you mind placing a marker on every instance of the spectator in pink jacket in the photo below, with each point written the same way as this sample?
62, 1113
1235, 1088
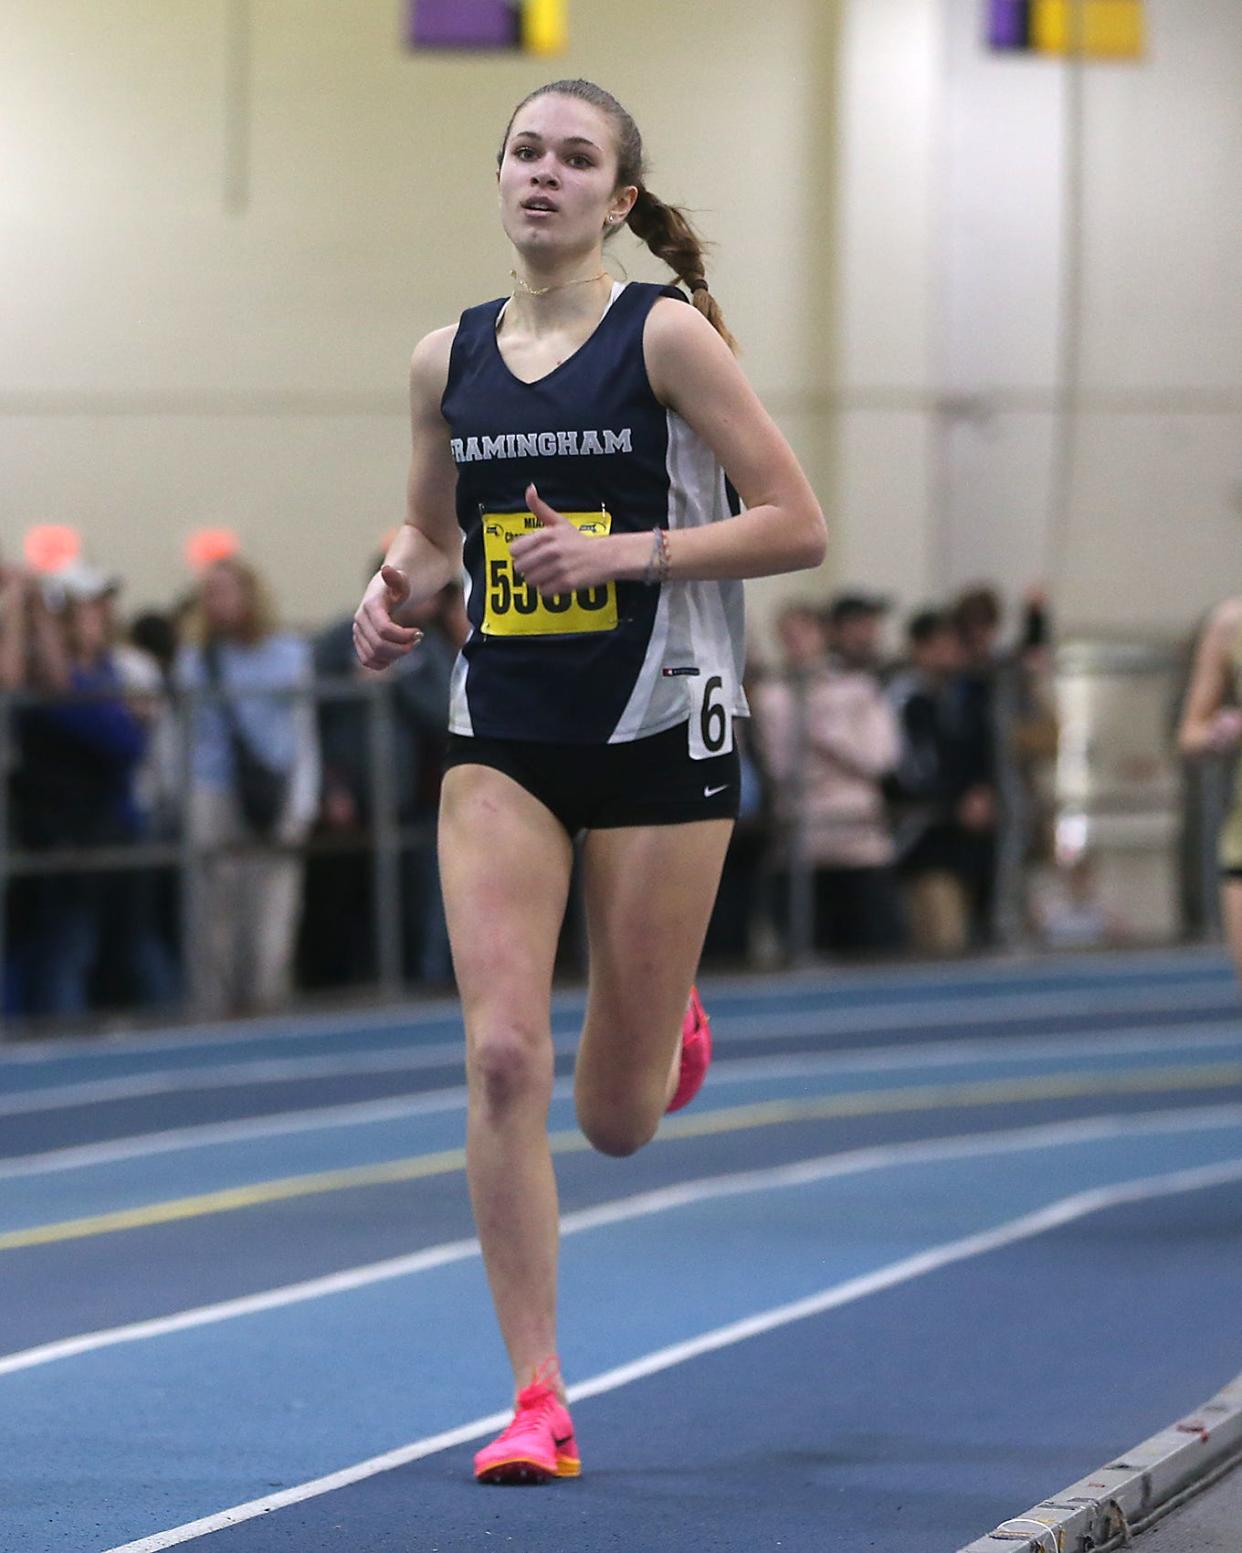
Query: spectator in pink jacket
829, 737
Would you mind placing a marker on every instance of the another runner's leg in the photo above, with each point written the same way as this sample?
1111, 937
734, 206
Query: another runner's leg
1231, 911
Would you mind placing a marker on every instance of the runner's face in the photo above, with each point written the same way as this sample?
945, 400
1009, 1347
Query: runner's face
558, 178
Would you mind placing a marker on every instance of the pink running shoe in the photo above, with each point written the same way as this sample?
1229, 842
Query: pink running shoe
537, 1446
696, 1053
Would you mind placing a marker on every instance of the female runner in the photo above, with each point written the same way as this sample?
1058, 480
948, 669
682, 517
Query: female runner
576, 437
1212, 725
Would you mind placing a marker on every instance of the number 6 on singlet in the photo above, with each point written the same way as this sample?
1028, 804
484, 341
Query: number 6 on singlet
711, 717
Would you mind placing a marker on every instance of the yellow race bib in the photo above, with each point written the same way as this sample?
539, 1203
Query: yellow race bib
514, 608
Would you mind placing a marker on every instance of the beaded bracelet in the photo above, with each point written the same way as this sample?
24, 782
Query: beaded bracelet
658, 565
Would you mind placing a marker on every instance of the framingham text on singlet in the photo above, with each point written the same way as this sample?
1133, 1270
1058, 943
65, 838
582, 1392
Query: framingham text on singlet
541, 444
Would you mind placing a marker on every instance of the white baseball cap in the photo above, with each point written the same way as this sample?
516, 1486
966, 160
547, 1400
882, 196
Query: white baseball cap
82, 582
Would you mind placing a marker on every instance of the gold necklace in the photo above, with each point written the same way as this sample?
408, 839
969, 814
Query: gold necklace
542, 291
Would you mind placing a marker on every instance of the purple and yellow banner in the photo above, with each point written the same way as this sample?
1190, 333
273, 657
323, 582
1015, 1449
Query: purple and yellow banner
533, 26
1098, 29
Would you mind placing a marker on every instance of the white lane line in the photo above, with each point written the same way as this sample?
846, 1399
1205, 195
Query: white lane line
1054, 1216
662, 1199
1044, 1005
238, 1075
1197, 973
772, 1026
1022, 1048
1184, 962
725, 1028
236, 1032
912, 1057
206, 1134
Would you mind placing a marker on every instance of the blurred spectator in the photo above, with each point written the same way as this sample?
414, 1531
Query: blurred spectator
978, 614
14, 633
976, 617
828, 737
156, 635
854, 626
83, 936
14, 589
1009, 696
338, 940
1069, 910
251, 903
148, 666
148, 661
945, 800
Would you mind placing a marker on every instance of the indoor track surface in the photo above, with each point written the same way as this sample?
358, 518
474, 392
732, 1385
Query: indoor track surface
930, 1245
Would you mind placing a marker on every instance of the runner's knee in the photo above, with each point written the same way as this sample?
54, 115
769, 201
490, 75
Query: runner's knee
616, 1126
509, 1065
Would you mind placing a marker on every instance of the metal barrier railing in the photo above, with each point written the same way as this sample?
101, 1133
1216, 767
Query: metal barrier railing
385, 837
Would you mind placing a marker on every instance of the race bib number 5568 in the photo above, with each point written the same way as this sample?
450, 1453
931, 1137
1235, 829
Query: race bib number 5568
513, 607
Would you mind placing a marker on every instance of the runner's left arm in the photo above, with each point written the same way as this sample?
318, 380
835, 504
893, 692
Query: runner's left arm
781, 529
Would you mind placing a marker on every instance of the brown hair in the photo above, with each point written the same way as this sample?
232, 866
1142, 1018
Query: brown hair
977, 609
665, 229
260, 618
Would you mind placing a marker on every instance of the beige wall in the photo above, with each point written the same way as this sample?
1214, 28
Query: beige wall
1134, 370
889, 206
1154, 527
886, 233
175, 362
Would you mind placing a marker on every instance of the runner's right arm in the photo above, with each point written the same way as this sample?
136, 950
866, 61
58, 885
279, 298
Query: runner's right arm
425, 555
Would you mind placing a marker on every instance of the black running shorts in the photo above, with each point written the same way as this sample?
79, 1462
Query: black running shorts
651, 781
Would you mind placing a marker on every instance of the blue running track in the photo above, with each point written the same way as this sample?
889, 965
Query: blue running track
931, 1245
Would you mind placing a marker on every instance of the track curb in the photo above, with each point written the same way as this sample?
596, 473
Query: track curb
1106, 1508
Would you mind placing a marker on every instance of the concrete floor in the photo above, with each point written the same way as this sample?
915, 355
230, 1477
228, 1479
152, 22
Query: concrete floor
1210, 1523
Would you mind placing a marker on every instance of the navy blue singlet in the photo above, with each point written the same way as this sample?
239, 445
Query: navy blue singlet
607, 664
